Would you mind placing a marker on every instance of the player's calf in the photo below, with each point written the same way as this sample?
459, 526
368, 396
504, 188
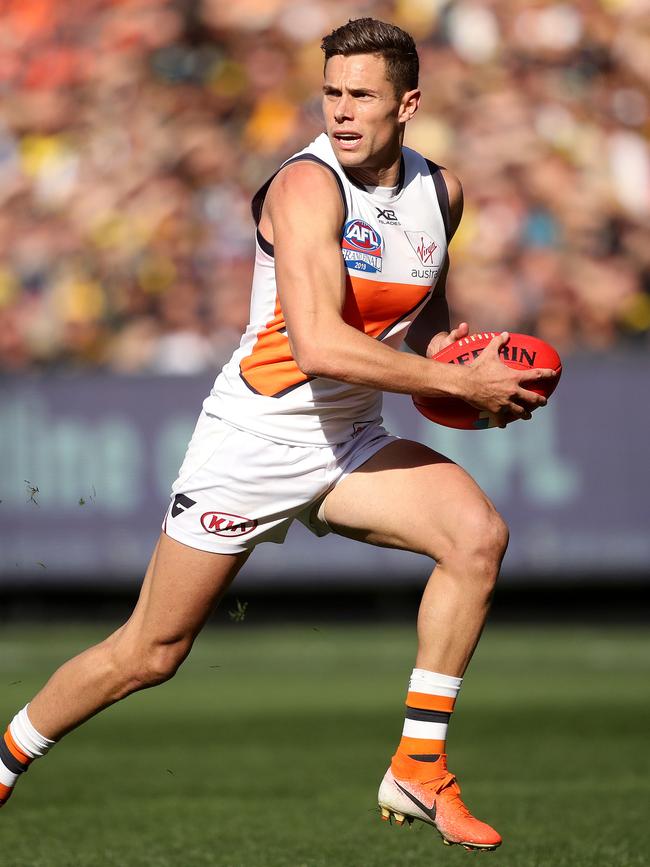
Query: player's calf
119, 668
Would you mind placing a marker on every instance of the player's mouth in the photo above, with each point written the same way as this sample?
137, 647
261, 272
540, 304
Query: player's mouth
347, 140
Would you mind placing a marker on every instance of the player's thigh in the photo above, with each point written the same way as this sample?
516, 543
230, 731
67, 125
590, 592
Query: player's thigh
181, 587
409, 496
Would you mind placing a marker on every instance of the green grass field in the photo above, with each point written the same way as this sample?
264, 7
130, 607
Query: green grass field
267, 748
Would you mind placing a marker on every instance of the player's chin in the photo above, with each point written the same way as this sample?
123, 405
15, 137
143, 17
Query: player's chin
349, 157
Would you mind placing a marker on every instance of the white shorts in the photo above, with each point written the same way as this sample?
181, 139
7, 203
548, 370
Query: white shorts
236, 489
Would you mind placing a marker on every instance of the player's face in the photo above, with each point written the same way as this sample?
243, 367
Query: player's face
363, 116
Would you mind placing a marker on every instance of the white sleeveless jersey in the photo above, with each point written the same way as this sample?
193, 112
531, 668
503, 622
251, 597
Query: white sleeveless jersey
394, 249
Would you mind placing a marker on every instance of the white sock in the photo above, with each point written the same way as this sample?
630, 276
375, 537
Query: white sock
434, 683
31, 742
20, 744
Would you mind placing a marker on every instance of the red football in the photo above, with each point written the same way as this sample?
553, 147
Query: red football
521, 352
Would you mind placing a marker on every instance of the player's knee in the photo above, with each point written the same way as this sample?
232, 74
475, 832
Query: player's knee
488, 540
496, 535
141, 666
161, 661
481, 539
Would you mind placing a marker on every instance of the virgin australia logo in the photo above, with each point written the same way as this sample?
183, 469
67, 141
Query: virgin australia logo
424, 247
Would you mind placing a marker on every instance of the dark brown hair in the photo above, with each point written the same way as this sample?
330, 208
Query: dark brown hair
369, 36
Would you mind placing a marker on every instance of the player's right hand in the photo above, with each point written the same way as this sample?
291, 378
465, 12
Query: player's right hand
499, 389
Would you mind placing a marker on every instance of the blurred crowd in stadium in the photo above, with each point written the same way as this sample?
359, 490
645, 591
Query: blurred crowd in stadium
133, 133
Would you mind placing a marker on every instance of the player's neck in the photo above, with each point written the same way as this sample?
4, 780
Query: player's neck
386, 172
377, 177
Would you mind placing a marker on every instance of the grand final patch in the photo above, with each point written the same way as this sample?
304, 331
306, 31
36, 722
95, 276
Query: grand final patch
361, 246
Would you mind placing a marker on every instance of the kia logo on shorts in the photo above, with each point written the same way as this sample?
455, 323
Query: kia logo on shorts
224, 524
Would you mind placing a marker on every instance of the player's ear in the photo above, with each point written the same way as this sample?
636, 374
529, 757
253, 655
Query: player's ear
408, 105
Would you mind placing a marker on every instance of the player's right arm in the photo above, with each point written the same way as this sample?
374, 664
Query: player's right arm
302, 218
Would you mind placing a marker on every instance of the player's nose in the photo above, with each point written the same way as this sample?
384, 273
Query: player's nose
343, 108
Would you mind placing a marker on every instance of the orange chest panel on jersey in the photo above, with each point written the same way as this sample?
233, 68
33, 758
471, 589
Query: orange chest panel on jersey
375, 306
270, 369
371, 306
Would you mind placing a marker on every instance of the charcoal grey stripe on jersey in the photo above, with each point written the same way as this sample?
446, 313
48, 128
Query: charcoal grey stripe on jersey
433, 716
264, 244
397, 321
443, 195
279, 393
10, 761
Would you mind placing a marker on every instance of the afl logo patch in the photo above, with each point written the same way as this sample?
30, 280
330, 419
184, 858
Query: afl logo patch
361, 246
224, 524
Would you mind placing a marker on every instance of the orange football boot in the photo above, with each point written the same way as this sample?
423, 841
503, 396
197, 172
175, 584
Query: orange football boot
427, 791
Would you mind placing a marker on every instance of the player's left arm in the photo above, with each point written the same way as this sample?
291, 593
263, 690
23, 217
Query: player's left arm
430, 331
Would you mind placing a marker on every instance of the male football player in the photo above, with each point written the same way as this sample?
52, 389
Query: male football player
351, 257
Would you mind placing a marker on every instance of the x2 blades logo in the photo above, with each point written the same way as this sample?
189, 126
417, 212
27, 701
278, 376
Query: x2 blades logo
387, 215
361, 246
225, 524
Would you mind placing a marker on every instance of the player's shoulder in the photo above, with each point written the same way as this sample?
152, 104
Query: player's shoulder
306, 184
305, 176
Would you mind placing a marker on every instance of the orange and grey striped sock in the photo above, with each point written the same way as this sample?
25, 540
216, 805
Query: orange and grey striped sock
19, 746
429, 703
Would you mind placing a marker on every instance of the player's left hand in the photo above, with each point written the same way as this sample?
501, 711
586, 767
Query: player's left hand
446, 338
